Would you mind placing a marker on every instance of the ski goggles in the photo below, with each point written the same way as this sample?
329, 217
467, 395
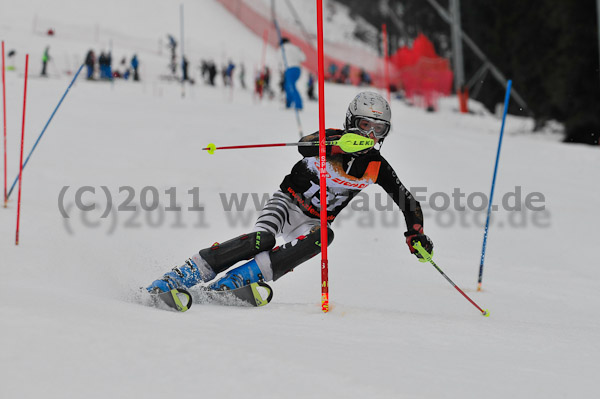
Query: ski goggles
367, 125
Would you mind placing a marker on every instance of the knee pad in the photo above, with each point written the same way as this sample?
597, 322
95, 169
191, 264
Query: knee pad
286, 257
221, 256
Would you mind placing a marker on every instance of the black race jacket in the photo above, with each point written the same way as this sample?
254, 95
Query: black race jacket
347, 175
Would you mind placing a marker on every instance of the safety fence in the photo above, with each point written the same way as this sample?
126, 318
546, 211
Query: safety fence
416, 71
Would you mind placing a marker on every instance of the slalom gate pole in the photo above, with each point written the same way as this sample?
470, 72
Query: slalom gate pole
45, 127
427, 257
4, 114
386, 61
285, 63
322, 164
22, 143
487, 221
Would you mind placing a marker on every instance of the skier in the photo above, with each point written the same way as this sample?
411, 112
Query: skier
293, 211
293, 57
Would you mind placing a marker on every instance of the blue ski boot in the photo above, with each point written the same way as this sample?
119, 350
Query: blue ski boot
243, 275
194, 271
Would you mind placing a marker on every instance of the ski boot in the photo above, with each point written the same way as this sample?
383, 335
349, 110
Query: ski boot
241, 276
194, 271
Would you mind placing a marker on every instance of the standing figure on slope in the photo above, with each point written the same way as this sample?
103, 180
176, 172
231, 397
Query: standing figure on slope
184, 69
173, 47
90, 62
292, 57
310, 88
243, 76
292, 213
45, 58
135, 64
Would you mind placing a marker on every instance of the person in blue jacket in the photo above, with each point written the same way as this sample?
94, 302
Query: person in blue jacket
293, 57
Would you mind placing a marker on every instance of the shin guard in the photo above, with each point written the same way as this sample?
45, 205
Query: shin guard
286, 257
221, 256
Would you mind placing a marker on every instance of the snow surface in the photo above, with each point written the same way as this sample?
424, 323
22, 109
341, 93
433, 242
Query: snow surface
71, 322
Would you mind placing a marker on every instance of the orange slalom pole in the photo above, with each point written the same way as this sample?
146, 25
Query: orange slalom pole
322, 164
22, 143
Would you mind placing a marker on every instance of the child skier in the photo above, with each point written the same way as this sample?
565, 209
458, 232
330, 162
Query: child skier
293, 211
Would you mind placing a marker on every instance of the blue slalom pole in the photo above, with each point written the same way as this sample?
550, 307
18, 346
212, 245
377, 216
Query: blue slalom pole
487, 222
285, 63
45, 127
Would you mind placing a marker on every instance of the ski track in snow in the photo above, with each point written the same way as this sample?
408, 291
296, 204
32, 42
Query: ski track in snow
73, 324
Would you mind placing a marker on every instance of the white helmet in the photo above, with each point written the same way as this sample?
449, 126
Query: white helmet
369, 112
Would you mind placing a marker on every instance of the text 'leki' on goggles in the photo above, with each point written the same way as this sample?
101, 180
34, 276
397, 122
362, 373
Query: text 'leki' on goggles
368, 125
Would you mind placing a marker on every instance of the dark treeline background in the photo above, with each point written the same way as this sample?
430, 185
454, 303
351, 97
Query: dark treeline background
549, 48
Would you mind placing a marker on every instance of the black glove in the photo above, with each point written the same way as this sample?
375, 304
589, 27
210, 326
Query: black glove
414, 236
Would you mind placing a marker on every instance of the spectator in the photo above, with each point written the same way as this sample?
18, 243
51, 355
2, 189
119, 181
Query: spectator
310, 91
332, 71
45, 58
212, 72
267, 81
90, 61
109, 74
102, 65
243, 76
11, 60
228, 74
293, 57
184, 69
173, 47
135, 65
345, 74
365, 78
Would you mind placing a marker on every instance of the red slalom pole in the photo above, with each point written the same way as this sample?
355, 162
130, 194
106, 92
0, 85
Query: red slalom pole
4, 113
322, 164
386, 60
22, 144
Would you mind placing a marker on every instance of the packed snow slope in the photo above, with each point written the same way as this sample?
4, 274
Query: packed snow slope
71, 318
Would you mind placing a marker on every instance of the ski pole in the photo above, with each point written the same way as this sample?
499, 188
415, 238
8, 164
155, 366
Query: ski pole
349, 142
427, 257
